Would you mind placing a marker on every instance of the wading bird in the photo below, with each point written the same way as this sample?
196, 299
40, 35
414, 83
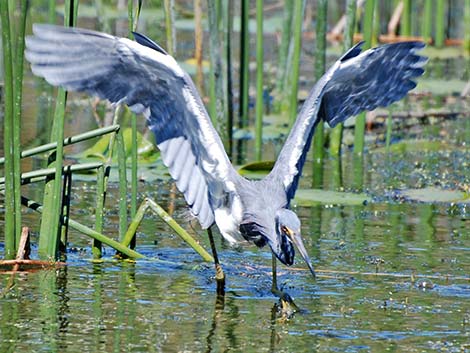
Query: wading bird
142, 75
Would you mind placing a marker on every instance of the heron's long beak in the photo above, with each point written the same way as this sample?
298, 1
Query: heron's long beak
297, 240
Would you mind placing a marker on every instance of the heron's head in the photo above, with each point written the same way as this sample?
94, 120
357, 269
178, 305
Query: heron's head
287, 230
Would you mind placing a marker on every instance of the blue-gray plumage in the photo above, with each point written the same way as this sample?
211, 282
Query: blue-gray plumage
143, 76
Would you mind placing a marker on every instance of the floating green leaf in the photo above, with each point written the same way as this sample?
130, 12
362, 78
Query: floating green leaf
146, 149
435, 195
256, 170
313, 197
414, 146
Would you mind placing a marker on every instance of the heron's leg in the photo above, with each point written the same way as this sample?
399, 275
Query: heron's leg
288, 306
219, 272
274, 288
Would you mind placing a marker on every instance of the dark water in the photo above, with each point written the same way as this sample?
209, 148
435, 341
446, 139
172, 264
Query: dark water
392, 275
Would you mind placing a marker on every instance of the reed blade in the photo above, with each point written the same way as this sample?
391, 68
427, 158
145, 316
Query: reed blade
359, 130
259, 81
51, 220
121, 156
8, 140
440, 23
299, 8
18, 95
169, 7
405, 23
244, 63
281, 77
320, 63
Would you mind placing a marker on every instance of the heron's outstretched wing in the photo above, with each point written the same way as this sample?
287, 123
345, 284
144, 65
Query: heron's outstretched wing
356, 82
149, 81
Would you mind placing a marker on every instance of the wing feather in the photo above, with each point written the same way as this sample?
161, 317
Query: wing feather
358, 81
149, 81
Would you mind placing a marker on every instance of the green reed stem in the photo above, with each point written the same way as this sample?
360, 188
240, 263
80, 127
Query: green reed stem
66, 197
216, 80
388, 134
299, 7
440, 21
222, 80
133, 20
214, 56
359, 130
45, 125
466, 37
336, 136
67, 141
227, 13
18, 95
244, 63
259, 80
198, 39
282, 69
336, 133
134, 152
336, 178
51, 11
179, 230
428, 21
169, 6
121, 156
8, 139
99, 211
72, 21
405, 23
51, 219
369, 22
28, 177
158, 210
466, 135
320, 62
87, 231
130, 17
102, 185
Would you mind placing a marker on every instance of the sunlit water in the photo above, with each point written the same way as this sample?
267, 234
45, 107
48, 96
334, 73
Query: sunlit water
391, 276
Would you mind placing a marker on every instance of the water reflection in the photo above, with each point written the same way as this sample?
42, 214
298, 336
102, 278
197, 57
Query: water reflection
110, 309
152, 307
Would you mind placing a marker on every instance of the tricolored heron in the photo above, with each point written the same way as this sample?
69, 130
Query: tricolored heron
143, 76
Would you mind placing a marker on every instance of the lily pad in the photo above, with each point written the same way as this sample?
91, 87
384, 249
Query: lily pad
256, 170
435, 195
313, 197
414, 146
146, 150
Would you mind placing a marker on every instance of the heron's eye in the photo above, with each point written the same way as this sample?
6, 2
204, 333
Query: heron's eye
286, 231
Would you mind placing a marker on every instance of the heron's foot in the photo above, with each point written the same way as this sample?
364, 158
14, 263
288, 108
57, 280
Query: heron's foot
220, 279
287, 308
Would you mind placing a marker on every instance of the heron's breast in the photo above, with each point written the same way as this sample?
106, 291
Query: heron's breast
228, 219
